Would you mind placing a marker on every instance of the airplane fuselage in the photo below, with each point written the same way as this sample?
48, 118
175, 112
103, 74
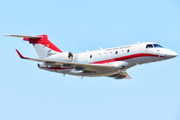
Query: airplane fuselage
110, 62
122, 58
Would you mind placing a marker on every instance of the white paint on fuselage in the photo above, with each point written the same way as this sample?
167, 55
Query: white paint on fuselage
104, 55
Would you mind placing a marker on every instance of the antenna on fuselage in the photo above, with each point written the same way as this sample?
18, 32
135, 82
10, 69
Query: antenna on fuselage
100, 48
138, 42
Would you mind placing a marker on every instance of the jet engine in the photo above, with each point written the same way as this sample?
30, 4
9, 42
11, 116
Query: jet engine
65, 56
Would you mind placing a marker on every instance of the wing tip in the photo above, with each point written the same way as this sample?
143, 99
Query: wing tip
7, 35
20, 55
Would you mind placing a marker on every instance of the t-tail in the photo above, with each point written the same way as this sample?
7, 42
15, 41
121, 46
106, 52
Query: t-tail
42, 45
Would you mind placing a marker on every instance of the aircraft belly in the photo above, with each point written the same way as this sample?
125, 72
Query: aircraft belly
95, 74
57, 70
142, 60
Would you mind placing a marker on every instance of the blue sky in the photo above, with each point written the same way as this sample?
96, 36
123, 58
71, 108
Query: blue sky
27, 92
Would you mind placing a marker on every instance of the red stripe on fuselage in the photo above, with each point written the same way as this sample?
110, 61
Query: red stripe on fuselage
126, 58
111, 60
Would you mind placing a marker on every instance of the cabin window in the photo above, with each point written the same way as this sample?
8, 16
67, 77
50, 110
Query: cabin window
110, 53
104, 53
99, 55
116, 52
128, 51
90, 56
149, 46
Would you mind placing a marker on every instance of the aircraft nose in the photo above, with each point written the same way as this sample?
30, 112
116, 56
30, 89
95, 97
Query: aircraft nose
172, 54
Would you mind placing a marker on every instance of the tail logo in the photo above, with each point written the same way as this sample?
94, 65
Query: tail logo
49, 53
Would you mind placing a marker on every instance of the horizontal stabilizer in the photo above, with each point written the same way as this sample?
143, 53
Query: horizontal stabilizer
24, 36
41, 43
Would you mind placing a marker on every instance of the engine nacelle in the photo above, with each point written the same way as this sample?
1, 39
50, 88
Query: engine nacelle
65, 56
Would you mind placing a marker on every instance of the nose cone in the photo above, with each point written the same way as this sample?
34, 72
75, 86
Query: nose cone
172, 54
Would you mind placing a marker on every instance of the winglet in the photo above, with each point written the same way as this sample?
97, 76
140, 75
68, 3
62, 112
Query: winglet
20, 55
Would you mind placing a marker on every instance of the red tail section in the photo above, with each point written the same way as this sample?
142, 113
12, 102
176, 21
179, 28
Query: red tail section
43, 39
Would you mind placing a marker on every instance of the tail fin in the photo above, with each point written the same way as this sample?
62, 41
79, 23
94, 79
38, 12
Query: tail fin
42, 45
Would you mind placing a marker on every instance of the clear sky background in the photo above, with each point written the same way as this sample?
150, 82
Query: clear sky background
28, 93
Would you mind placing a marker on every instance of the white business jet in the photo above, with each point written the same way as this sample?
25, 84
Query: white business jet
110, 62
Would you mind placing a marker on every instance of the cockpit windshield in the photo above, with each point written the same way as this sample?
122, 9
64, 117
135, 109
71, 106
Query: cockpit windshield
149, 46
153, 46
157, 46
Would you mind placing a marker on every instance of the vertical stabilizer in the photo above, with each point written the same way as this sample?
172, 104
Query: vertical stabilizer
43, 46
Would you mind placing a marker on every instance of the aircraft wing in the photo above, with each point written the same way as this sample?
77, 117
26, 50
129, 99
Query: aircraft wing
85, 66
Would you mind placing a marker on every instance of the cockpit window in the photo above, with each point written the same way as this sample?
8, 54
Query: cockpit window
149, 46
157, 46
